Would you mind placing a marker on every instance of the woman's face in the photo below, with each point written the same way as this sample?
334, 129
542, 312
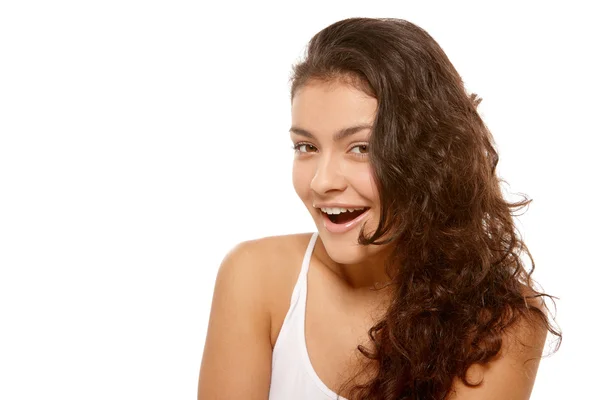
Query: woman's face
331, 125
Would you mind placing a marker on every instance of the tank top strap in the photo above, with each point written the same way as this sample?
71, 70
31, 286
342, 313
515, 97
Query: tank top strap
300, 287
308, 254
295, 313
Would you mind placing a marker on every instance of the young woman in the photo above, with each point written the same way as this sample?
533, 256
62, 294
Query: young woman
412, 287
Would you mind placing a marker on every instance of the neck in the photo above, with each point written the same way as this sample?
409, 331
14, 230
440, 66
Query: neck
368, 275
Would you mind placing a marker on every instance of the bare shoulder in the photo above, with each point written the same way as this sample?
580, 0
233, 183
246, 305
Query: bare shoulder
236, 361
272, 257
270, 251
516, 363
265, 264
281, 261
266, 260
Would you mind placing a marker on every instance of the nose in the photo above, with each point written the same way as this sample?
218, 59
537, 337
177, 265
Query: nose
328, 176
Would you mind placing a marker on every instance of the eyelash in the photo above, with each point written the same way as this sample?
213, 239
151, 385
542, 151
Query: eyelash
297, 146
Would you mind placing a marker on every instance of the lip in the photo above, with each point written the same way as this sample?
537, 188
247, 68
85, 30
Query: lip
342, 228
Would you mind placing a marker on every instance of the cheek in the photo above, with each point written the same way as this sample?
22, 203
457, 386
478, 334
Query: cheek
364, 183
300, 180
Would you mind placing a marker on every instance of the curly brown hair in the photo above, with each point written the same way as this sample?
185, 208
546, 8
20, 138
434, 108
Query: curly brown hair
461, 283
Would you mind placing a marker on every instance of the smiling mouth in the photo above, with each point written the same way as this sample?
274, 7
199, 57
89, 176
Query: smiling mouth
345, 217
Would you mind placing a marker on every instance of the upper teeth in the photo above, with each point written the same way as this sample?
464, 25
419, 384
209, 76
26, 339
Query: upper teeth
338, 210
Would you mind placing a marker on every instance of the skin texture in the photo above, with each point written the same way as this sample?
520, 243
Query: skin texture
252, 290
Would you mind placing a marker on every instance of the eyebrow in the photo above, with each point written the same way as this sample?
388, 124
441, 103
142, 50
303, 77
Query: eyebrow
341, 134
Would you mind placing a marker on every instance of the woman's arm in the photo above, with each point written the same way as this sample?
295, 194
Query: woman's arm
511, 375
236, 363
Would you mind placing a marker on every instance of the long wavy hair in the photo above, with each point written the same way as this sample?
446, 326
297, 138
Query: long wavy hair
459, 282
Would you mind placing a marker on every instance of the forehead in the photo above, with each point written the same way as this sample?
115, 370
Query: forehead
328, 106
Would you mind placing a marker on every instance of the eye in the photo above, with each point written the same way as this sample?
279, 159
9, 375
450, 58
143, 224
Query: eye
308, 148
363, 150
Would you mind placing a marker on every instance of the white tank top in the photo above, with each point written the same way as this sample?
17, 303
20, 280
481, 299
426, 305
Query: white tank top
292, 374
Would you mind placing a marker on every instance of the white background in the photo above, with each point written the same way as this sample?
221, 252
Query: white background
141, 140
